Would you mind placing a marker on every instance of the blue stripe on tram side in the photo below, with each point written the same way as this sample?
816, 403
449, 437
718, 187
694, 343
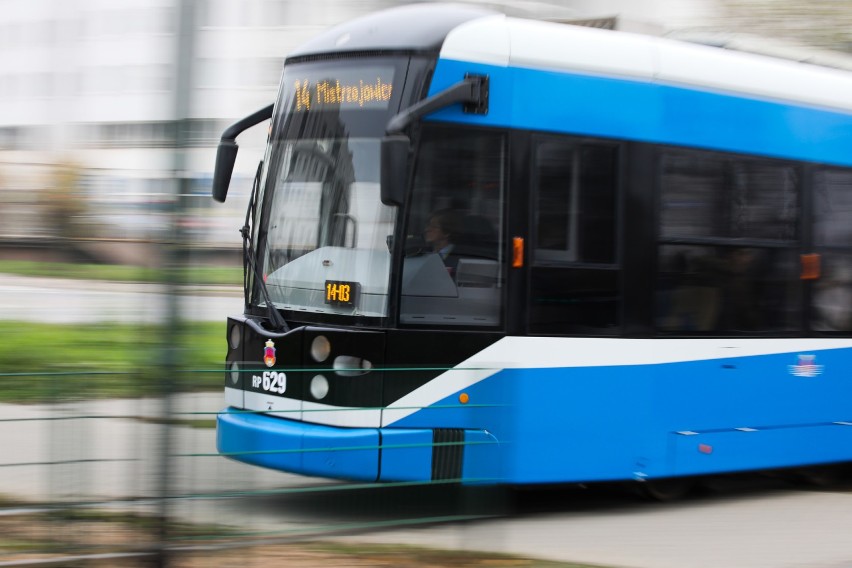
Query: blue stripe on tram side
599, 423
587, 105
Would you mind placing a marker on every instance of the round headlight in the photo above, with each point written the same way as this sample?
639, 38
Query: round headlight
234, 336
319, 387
320, 348
234, 372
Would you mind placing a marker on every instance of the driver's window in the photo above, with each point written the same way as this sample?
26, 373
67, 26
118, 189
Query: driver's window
453, 271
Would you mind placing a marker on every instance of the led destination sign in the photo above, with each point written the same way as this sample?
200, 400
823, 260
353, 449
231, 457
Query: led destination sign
326, 93
370, 88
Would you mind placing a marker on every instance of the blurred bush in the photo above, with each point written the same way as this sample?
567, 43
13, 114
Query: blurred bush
62, 203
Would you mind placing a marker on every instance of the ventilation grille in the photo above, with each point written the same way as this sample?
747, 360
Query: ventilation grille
447, 453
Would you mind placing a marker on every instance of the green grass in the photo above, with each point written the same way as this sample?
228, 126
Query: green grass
210, 275
49, 362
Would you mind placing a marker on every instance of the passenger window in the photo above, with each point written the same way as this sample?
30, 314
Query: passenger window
833, 208
728, 258
574, 277
731, 289
575, 206
832, 292
705, 195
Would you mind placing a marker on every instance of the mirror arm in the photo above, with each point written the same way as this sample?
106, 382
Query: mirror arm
472, 92
244, 124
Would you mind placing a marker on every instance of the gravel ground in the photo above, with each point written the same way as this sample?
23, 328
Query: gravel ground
107, 540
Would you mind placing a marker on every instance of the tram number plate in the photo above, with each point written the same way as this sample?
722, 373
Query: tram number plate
341, 293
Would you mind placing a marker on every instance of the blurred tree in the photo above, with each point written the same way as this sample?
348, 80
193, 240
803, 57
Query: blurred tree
823, 23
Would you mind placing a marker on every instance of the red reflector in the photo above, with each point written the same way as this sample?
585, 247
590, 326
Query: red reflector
705, 448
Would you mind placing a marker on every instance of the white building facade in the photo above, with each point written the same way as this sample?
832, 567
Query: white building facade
88, 86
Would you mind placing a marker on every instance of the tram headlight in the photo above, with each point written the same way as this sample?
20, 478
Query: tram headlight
348, 366
235, 335
320, 348
234, 372
319, 387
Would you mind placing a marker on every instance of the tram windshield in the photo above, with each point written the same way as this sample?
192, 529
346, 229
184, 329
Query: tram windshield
328, 232
325, 234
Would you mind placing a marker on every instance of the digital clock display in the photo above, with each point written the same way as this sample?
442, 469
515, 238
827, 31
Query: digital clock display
341, 293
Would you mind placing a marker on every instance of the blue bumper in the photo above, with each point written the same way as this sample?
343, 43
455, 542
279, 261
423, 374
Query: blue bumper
362, 454
298, 447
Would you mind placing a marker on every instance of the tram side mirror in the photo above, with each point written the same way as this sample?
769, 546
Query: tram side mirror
226, 156
394, 169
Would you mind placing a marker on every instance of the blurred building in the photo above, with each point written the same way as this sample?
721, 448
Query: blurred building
87, 101
87, 106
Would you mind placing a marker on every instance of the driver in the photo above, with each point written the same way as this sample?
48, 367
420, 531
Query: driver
439, 234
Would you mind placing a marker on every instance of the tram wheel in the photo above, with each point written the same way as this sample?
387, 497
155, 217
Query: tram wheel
665, 490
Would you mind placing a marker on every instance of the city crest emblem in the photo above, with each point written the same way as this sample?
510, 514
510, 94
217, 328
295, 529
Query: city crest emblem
269, 353
806, 367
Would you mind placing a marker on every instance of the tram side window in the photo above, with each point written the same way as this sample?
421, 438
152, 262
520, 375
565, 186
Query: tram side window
728, 250
832, 292
574, 277
708, 196
576, 203
454, 261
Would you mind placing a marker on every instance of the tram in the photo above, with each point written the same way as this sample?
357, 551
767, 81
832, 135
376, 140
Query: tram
483, 249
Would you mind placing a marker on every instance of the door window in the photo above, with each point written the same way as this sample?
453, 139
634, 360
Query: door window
453, 270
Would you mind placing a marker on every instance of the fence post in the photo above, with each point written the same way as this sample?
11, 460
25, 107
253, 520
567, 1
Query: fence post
174, 256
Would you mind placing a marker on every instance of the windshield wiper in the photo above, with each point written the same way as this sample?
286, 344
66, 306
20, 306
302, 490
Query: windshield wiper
250, 265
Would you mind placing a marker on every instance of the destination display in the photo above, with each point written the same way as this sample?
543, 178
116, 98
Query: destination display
365, 88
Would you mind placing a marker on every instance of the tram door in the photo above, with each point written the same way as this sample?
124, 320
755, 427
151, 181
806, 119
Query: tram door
574, 276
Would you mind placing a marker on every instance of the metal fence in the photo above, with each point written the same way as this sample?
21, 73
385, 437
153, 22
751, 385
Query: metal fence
90, 479
109, 392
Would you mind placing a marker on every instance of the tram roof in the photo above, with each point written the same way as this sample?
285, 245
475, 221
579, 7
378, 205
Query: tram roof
413, 27
469, 33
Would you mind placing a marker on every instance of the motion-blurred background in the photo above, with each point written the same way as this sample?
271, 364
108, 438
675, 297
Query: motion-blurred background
88, 102
117, 269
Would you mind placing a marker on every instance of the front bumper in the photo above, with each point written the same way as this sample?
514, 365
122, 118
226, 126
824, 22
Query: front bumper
361, 454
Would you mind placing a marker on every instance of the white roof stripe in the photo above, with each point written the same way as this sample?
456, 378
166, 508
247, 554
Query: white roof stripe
484, 40
753, 75
503, 41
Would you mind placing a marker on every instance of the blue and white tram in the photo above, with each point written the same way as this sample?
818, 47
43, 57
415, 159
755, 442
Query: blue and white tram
493, 250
